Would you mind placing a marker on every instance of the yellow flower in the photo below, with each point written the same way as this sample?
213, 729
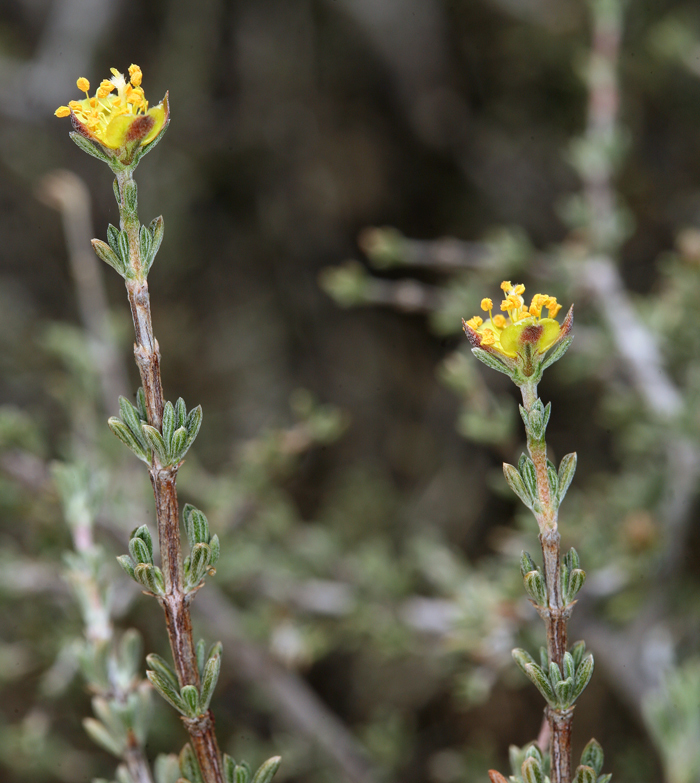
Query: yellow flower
118, 115
524, 330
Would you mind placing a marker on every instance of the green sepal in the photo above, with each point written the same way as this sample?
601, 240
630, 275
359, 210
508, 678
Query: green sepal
491, 361
105, 253
165, 689
267, 770
557, 352
89, 147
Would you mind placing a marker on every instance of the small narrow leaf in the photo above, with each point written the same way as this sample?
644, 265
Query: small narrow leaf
193, 423
529, 475
568, 666
564, 692
150, 577
167, 691
155, 441
229, 769
209, 680
585, 775
578, 650
156, 228
583, 675
180, 415
532, 771
105, 253
100, 736
139, 551
576, 581
242, 772
145, 243
567, 469
190, 696
554, 673
132, 419
535, 587
127, 564
113, 238
123, 245
215, 547
593, 756
163, 668
131, 196
527, 564
515, 482
126, 437
267, 770
168, 425
141, 404
144, 534
189, 766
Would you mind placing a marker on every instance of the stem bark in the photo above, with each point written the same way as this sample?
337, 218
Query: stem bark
175, 602
555, 614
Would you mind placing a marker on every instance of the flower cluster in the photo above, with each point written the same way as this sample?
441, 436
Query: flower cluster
117, 115
519, 339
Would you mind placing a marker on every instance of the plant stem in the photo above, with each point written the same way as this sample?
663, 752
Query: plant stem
175, 602
555, 614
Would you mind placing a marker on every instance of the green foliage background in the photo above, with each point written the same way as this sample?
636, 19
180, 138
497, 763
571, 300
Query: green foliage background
372, 552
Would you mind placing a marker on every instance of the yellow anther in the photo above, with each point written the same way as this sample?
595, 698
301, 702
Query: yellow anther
83, 84
488, 337
93, 102
519, 289
135, 75
553, 307
506, 285
499, 321
486, 304
475, 322
62, 111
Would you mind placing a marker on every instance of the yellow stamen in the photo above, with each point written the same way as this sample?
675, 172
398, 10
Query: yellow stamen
499, 321
475, 322
62, 111
135, 75
488, 337
519, 289
486, 304
83, 84
506, 285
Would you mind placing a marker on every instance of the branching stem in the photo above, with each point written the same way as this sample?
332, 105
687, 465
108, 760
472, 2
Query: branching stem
175, 602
